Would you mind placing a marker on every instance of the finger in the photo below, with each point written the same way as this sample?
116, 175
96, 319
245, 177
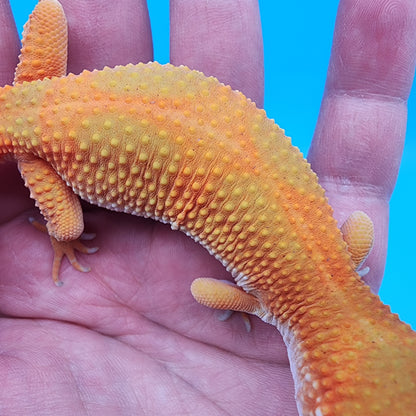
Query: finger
107, 33
9, 45
11, 185
220, 38
361, 128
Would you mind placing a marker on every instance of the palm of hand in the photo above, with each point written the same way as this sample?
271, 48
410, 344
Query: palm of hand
128, 337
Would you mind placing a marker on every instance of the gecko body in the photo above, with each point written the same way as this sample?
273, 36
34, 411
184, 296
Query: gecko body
174, 145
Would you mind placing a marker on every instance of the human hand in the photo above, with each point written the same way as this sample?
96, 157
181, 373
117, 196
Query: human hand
128, 337
360, 134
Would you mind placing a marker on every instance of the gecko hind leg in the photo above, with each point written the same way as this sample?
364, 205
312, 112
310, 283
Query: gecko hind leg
60, 208
226, 296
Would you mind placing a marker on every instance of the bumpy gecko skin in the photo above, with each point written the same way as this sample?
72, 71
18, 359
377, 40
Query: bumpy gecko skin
169, 143
44, 44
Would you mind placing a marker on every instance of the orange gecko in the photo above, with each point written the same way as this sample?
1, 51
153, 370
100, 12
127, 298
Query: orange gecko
174, 145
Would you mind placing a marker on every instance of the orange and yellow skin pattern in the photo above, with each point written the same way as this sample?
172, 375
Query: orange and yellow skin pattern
169, 143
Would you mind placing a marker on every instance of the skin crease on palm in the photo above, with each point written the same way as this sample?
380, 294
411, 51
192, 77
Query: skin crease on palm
128, 338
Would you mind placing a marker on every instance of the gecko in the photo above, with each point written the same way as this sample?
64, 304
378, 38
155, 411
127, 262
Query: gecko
176, 146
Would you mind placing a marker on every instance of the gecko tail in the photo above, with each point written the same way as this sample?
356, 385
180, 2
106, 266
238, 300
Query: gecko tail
47, 25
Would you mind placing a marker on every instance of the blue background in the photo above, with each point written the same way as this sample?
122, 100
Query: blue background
297, 38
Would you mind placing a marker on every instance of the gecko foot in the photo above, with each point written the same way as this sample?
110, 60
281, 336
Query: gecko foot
225, 315
66, 248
